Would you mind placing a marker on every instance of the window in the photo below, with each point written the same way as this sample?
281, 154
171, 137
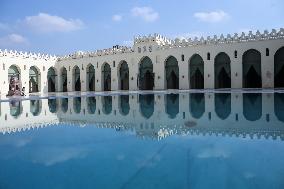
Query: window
182, 57
97, 65
236, 54
208, 56
113, 63
267, 51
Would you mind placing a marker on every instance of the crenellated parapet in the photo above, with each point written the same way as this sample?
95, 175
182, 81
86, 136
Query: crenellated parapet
26, 55
228, 39
98, 53
157, 38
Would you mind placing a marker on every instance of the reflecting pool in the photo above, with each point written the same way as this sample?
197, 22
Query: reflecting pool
179, 140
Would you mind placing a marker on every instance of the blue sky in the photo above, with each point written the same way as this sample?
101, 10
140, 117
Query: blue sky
62, 27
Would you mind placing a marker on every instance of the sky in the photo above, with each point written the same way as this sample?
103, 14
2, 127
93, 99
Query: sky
65, 26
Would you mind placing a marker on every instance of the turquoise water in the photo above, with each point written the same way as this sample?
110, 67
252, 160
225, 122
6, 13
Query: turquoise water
197, 140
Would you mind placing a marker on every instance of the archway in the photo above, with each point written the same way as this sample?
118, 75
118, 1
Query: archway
15, 72
76, 79
77, 105
172, 105
252, 69
146, 75
223, 105
252, 106
107, 104
16, 108
35, 107
196, 72
279, 68
34, 80
124, 76
222, 70
106, 73
91, 81
51, 79
197, 105
52, 105
91, 101
64, 79
172, 73
124, 104
146, 103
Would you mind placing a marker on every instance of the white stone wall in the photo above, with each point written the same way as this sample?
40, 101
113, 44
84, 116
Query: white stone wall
158, 49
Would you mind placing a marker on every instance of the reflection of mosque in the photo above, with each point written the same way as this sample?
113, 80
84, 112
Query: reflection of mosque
156, 115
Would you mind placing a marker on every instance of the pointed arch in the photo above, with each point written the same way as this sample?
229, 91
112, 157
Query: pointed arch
197, 105
16, 108
34, 79
252, 106
123, 76
196, 72
91, 103
35, 107
76, 79
63, 79
64, 104
52, 105
91, 81
124, 106
146, 104
172, 73
279, 68
77, 105
106, 77
14, 72
51, 79
252, 69
222, 70
107, 104
146, 74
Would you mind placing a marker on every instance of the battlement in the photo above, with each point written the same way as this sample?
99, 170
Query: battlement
159, 39
24, 55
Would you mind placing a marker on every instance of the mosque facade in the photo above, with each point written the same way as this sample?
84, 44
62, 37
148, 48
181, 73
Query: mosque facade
253, 60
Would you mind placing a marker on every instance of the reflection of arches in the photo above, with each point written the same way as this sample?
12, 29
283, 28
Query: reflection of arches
64, 79
252, 106
77, 105
124, 104
51, 79
107, 104
146, 75
223, 105
64, 105
91, 101
279, 68
172, 73
222, 70
52, 105
35, 107
279, 106
76, 78
16, 108
91, 78
196, 72
146, 105
252, 69
34, 79
106, 74
124, 76
172, 105
197, 105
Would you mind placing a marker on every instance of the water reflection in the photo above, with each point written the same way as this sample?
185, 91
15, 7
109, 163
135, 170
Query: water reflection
16, 108
197, 105
146, 105
107, 104
279, 106
124, 104
172, 105
64, 104
35, 107
77, 105
91, 103
223, 105
52, 104
252, 106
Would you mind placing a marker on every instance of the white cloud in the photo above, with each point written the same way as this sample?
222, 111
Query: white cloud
44, 22
146, 13
12, 40
213, 153
117, 18
212, 17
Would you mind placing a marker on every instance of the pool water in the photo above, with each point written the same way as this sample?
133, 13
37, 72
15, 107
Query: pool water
181, 140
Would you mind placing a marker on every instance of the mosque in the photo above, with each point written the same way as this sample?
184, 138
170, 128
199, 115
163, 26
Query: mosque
154, 62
